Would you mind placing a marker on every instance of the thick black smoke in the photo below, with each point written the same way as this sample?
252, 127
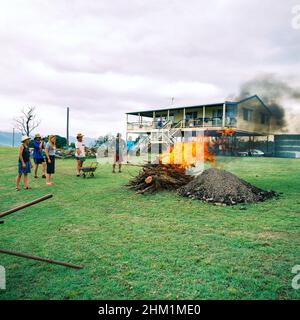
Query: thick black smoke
273, 92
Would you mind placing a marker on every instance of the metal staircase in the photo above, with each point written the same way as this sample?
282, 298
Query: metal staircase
166, 135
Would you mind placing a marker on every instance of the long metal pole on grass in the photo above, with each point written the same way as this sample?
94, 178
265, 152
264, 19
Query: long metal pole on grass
5, 213
29, 256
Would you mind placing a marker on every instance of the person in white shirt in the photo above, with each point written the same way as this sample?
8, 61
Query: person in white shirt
79, 153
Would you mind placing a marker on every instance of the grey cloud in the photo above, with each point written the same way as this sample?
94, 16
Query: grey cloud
109, 57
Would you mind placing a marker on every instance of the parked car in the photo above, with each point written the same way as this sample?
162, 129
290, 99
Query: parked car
243, 153
251, 153
256, 153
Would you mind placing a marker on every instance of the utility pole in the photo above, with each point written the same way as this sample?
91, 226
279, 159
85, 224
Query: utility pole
68, 115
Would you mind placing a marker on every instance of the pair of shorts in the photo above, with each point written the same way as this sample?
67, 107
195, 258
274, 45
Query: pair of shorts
25, 170
38, 160
82, 159
51, 166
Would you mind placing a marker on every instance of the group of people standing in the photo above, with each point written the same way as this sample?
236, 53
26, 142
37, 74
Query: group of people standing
122, 148
44, 155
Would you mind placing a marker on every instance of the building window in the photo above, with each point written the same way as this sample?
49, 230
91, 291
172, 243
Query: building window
191, 115
263, 118
247, 114
171, 117
190, 119
217, 114
231, 116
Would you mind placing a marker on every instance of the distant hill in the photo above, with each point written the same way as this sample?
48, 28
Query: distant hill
7, 137
88, 141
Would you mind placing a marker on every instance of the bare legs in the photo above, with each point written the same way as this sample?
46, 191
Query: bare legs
114, 167
18, 180
78, 167
26, 180
48, 179
36, 166
44, 169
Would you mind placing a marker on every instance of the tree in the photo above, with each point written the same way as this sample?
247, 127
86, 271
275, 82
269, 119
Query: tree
108, 138
28, 121
61, 142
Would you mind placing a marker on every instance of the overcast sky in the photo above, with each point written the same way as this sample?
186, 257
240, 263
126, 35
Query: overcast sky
103, 58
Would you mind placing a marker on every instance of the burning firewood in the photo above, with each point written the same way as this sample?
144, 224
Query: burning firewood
170, 173
212, 185
154, 177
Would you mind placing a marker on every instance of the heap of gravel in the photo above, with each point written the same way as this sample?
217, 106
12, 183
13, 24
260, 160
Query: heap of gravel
222, 187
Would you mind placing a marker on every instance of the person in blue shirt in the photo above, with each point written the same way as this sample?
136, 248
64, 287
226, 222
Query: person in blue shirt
38, 157
129, 147
24, 163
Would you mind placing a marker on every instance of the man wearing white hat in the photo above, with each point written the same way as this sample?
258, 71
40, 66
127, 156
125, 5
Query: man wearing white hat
24, 164
79, 153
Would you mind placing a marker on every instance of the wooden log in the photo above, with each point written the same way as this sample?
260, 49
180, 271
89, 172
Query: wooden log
29, 256
147, 189
25, 205
154, 177
149, 179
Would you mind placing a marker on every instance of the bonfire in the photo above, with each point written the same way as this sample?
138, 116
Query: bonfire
172, 172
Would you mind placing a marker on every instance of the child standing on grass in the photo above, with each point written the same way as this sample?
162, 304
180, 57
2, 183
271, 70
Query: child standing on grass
50, 156
24, 165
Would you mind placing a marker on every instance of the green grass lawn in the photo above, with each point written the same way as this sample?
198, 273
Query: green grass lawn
159, 246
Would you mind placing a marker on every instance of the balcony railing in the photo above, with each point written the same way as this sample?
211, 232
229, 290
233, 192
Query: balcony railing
188, 123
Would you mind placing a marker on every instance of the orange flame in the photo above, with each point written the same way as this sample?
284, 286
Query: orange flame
188, 153
226, 132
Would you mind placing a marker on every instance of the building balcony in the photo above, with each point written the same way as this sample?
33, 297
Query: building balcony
147, 126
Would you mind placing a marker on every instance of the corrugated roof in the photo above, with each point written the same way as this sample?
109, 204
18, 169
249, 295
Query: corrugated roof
199, 106
179, 108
